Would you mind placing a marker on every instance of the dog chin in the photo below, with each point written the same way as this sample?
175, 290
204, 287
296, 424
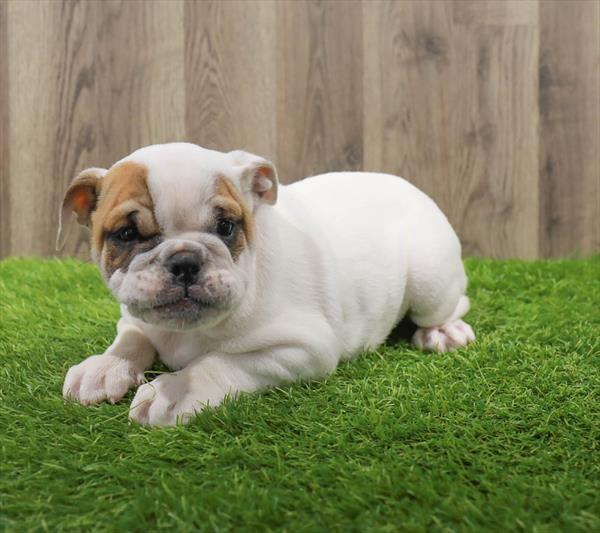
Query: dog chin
182, 314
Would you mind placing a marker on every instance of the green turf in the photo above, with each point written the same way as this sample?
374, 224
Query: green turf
504, 435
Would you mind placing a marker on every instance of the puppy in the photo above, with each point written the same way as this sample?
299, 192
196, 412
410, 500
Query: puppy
238, 283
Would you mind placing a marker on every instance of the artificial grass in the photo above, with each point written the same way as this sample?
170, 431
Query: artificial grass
504, 435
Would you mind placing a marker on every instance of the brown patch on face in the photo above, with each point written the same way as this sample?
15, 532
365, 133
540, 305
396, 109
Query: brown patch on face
124, 201
229, 202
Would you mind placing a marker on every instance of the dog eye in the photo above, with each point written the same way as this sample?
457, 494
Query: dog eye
127, 234
225, 227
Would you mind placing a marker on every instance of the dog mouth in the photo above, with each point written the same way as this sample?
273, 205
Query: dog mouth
165, 303
179, 298
186, 303
180, 307
176, 313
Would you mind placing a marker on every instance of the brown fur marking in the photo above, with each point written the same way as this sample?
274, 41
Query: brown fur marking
124, 191
229, 200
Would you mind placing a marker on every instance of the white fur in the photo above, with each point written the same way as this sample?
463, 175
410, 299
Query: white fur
337, 262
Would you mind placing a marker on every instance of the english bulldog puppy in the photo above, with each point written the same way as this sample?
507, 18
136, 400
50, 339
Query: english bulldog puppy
238, 283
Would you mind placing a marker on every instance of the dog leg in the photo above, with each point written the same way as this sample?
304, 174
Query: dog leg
176, 398
451, 334
109, 376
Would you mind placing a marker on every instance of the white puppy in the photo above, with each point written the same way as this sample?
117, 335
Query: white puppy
238, 283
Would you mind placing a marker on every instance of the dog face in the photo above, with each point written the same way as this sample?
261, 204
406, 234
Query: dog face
173, 229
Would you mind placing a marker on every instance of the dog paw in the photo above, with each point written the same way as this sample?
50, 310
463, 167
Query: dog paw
165, 401
101, 377
452, 335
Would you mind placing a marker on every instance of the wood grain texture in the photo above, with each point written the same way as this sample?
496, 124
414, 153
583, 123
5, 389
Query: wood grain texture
319, 87
51, 116
501, 207
230, 75
453, 108
570, 128
491, 107
5, 218
140, 75
496, 12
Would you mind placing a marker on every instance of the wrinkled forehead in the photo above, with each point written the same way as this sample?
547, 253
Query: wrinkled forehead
182, 184
165, 196
179, 203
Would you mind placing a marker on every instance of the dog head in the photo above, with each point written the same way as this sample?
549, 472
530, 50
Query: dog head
173, 228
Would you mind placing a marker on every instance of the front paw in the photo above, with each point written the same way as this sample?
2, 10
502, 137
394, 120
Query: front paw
101, 377
166, 401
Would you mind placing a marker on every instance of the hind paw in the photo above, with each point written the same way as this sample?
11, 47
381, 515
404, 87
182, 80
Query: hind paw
450, 336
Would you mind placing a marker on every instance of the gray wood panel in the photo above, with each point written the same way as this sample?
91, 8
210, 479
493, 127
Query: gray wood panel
5, 222
51, 116
570, 128
492, 107
230, 75
454, 110
319, 87
140, 91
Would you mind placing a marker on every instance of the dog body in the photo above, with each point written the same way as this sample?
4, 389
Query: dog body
238, 283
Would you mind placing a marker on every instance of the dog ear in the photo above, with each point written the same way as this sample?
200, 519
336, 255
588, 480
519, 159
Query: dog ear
80, 198
258, 175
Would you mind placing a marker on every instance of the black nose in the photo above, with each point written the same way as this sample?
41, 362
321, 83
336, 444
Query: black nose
185, 267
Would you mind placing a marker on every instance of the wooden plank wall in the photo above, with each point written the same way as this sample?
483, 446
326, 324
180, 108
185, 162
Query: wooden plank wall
492, 107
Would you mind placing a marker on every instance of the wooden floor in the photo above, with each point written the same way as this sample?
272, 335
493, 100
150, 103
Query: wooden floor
492, 107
